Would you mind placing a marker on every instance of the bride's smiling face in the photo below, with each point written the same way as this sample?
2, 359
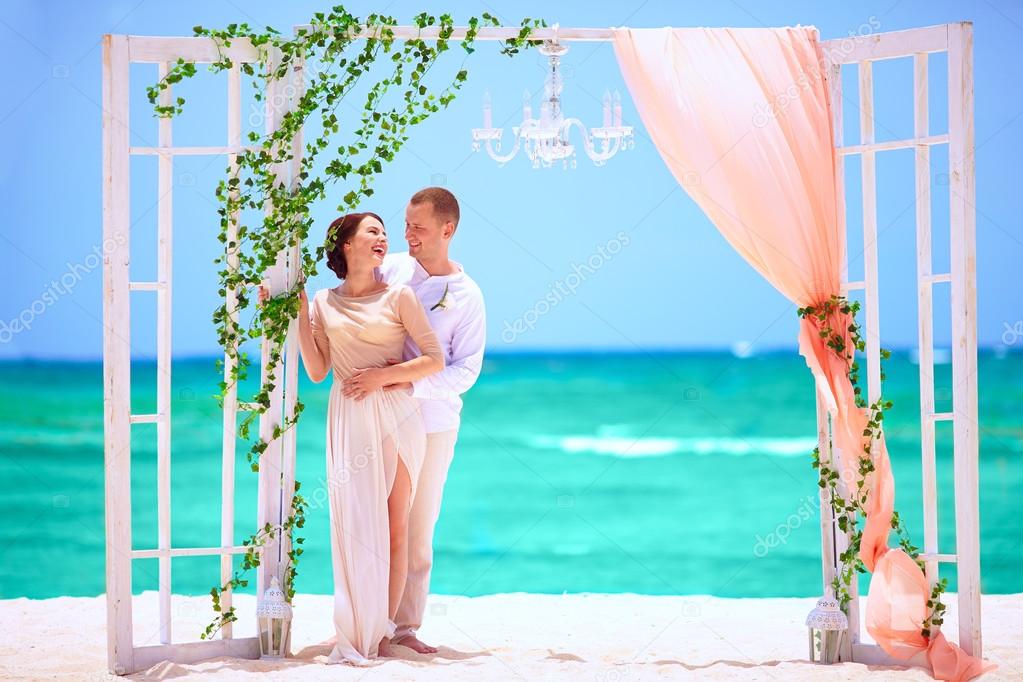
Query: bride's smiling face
368, 245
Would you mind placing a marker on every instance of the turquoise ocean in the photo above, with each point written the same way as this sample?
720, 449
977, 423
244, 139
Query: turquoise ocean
662, 473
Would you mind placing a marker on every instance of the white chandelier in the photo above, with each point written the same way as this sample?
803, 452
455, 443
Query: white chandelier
546, 139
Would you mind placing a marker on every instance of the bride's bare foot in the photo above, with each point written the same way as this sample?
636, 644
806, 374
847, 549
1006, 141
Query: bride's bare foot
384, 648
413, 642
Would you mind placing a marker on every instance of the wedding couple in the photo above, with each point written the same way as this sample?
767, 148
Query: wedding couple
403, 335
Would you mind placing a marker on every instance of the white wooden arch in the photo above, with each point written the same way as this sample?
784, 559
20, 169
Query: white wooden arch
957, 41
277, 464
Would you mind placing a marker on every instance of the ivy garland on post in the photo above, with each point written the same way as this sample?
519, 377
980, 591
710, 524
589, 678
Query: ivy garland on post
846, 510
254, 183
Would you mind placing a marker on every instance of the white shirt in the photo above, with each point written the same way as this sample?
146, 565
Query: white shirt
454, 306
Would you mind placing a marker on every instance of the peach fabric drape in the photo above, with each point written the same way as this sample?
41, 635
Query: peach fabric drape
743, 120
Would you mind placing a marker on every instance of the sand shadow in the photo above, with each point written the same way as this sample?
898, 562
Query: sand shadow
168, 670
555, 656
720, 661
399, 652
443, 653
314, 654
761, 664
311, 651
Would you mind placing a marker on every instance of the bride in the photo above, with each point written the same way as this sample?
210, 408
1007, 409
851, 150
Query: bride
375, 441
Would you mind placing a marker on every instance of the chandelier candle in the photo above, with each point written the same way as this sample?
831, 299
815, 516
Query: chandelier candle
546, 140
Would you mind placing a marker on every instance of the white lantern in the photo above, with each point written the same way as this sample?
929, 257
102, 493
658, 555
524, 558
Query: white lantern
273, 616
827, 626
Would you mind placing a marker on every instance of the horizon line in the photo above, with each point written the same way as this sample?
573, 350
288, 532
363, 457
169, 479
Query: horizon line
537, 351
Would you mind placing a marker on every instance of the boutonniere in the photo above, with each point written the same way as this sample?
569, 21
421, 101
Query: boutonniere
443, 303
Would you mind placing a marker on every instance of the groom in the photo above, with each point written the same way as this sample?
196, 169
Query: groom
454, 306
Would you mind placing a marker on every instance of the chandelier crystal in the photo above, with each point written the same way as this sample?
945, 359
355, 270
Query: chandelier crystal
546, 139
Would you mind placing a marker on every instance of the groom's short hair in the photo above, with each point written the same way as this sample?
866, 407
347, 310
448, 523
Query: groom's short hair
445, 205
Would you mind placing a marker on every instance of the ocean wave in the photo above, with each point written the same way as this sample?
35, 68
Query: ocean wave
624, 446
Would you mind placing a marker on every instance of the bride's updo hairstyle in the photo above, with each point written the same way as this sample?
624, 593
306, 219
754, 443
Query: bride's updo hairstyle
341, 231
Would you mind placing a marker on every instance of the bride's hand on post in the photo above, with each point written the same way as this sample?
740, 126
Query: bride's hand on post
263, 295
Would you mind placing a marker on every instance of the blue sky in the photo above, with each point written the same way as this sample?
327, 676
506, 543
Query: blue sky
676, 284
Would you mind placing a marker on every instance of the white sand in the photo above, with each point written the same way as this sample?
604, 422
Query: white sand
596, 637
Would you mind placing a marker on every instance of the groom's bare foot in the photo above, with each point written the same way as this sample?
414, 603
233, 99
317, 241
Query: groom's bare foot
384, 648
414, 643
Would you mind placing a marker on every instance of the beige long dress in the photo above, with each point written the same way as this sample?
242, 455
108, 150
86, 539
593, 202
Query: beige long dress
365, 438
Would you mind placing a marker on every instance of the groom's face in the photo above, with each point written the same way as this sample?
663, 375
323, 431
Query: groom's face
425, 233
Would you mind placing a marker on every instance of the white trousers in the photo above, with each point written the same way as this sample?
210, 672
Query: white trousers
440, 449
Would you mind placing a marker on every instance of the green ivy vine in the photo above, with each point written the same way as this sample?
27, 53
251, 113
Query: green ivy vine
847, 511
253, 182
